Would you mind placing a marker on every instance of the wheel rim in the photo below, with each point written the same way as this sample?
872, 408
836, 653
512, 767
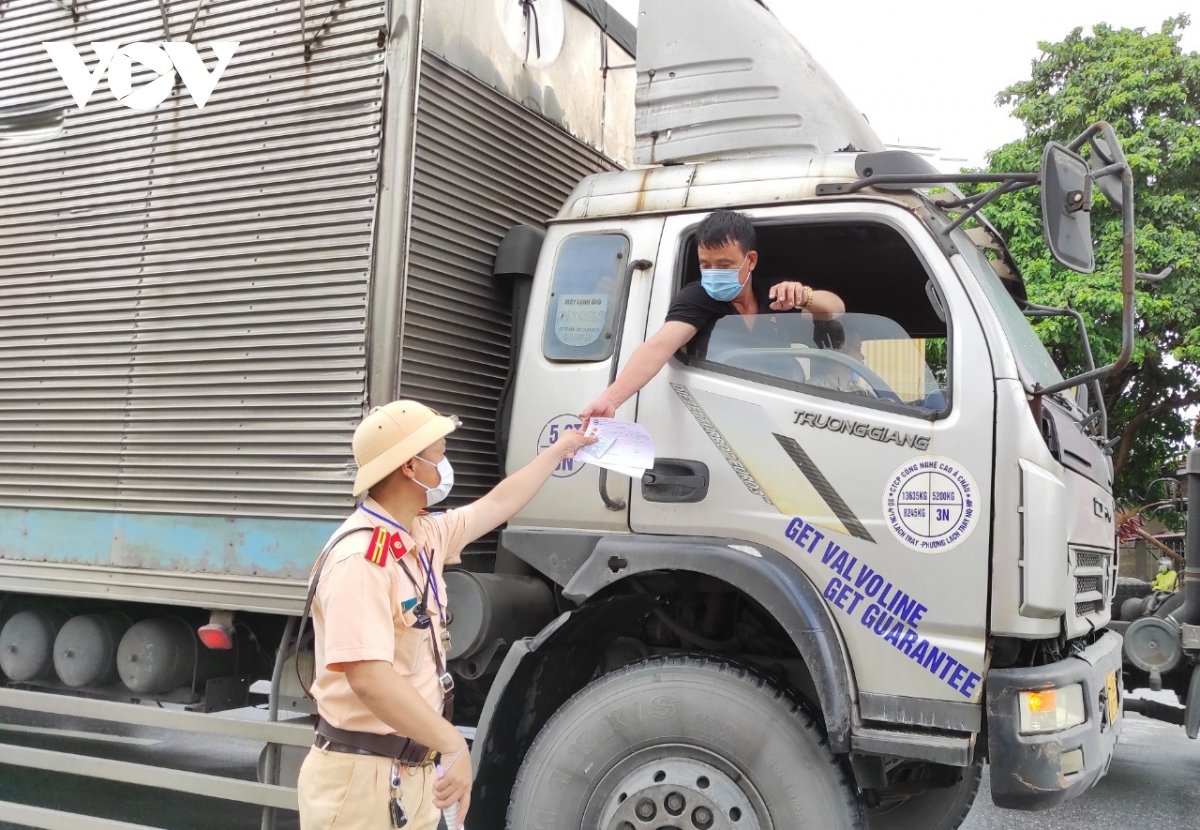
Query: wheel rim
676, 788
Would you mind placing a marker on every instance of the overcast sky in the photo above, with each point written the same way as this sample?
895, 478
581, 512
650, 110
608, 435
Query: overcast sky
926, 72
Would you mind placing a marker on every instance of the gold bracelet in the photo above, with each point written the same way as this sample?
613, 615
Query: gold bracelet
808, 297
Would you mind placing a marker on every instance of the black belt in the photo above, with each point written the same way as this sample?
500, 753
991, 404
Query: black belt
405, 750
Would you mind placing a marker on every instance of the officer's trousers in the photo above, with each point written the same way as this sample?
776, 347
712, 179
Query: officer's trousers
339, 791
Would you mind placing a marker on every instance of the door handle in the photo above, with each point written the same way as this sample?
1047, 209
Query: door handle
676, 480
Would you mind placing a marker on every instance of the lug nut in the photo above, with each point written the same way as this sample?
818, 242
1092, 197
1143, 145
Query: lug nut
702, 817
675, 804
645, 809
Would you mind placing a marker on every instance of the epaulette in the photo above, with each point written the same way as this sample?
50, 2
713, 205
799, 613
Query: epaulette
382, 543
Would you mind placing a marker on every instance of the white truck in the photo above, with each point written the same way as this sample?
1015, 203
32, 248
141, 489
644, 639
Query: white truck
871, 555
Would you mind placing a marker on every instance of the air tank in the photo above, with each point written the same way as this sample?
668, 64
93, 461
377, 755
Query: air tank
85, 650
163, 653
490, 610
27, 644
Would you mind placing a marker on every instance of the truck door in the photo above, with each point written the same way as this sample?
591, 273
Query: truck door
861, 447
586, 314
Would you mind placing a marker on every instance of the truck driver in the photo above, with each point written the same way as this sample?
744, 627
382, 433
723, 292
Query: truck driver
725, 242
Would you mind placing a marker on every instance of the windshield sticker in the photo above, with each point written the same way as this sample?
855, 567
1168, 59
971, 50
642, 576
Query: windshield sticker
580, 318
930, 504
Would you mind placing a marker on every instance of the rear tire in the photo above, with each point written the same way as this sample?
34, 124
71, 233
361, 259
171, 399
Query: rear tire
683, 741
938, 808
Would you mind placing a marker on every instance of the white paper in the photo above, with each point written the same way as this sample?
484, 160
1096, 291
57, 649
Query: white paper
621, 446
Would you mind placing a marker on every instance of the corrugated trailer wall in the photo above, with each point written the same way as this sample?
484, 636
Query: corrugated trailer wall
183, 291
483, 164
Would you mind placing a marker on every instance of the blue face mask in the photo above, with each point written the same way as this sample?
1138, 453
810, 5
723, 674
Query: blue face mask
722, 283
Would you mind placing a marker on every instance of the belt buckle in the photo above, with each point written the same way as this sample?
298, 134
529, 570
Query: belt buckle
430, 758
447, 682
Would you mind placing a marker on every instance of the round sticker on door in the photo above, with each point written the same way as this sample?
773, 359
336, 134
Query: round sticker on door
930, 504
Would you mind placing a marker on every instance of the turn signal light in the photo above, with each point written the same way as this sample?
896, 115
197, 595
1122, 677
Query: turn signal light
216, 636
1051, 710
1042, 701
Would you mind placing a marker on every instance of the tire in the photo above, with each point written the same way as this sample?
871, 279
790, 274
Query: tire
938, 808
702, 743
1127, 588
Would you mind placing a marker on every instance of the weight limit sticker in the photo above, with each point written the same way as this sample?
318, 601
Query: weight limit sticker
931, 504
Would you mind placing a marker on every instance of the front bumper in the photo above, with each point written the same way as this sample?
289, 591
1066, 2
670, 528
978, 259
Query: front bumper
1027, 771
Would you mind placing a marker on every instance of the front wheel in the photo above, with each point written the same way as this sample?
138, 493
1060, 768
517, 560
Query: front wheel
685, 742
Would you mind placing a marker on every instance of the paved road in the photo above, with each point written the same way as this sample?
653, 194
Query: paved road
1152, 784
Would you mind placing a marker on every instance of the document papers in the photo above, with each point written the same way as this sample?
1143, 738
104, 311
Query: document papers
621, 446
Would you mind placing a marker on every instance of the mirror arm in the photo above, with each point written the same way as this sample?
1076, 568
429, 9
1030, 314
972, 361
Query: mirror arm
983, 201
1101, 411
1159, 277
1128, 269
1115, 167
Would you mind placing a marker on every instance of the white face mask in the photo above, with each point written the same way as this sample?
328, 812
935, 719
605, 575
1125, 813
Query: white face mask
433, 495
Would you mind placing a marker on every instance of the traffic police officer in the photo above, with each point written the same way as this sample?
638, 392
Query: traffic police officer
386, 754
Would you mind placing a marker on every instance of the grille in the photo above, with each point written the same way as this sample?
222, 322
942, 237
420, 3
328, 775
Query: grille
1084, 584
1082, 609
1090, 560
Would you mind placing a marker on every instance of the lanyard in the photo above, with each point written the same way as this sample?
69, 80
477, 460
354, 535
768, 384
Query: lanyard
426, 563
383, 518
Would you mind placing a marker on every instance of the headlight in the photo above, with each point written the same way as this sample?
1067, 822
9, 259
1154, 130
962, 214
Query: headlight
1052, 710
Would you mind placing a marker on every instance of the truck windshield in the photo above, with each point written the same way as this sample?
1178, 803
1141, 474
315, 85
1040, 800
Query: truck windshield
1035, 363
866, 355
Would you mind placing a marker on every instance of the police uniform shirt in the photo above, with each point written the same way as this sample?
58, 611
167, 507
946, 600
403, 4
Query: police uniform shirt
362, 611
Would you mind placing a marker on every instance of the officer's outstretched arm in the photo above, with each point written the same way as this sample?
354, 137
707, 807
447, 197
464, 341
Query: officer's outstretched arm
512, 494
391, 698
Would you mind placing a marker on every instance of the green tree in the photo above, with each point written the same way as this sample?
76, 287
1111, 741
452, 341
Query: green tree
1148, 88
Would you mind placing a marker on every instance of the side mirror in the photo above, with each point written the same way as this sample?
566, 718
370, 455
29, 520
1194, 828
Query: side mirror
1066, 208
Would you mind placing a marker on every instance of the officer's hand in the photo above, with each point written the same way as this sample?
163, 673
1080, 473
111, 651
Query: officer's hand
570, 440
786, 296
455, 787
599, 408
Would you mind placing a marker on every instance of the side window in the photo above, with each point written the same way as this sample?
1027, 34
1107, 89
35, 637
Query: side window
889, 347
587, 297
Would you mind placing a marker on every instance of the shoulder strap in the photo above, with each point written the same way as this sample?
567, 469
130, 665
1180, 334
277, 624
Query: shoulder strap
312, 593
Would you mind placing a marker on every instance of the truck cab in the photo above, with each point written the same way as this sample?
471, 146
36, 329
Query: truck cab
898, 521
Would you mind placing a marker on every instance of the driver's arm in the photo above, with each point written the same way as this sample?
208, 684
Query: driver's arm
643, 364
791, 296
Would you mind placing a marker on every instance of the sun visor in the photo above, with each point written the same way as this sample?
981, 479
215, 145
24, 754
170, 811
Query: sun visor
722, 79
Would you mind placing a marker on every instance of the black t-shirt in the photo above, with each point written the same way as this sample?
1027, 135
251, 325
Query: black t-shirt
693, 306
